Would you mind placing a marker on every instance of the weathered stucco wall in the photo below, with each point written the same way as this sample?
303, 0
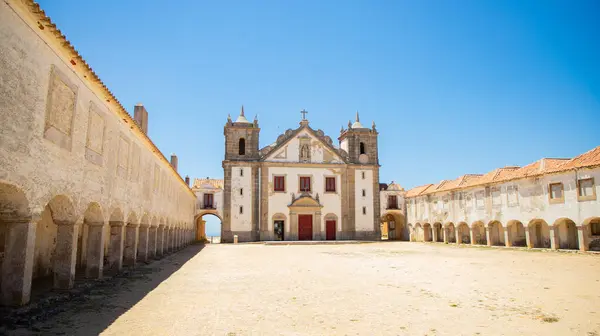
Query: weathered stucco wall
241, 179
364, 221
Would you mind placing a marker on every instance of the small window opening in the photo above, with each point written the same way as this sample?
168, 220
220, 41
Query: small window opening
363, 175
362, 148
241, 171
364, 192
241, 191
242, 146
364, 210
241, 209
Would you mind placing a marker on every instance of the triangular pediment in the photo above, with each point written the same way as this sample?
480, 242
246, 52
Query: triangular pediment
303, 145
305, 201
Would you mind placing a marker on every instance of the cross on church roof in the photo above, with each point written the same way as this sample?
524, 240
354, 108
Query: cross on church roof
304, 112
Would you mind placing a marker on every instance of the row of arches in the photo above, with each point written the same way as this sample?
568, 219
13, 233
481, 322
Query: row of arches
564, 233
55, 244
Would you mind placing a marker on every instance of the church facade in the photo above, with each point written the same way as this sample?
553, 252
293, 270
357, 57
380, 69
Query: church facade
302, 186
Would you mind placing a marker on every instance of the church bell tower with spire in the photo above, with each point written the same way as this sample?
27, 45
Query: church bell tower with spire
360, 143
241, 138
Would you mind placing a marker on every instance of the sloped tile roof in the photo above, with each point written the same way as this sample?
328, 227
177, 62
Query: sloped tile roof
417, 190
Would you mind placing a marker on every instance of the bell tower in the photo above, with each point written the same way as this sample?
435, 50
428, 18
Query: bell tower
360, 143
241, 139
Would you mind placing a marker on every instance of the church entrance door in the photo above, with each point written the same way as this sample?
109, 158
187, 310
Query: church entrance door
330, 230
305, 227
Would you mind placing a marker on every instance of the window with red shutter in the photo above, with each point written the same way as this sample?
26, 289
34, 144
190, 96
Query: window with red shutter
305, 183
330, 184
392, 202
279, 183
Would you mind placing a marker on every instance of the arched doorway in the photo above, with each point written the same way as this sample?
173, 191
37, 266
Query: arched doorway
395, 224
516, 233
427, 232
496, 233
566, 232
439, 233
450, 233
479, 236
463, 235
591, 231
539, 234
209, 227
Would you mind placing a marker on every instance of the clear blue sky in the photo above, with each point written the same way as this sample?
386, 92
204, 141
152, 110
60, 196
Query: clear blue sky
454, 87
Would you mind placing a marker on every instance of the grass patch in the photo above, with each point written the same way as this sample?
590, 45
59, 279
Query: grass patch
550, 319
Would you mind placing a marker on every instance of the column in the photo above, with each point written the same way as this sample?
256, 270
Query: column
160, 241
487, 236
152, 242
507, 241
131, 244
445, 232
94, 256
472, 236
554, 238
583, 236
65, 254
318, 231
435, 234
143, 242
528, 237
169, 240
117, 238
17, 267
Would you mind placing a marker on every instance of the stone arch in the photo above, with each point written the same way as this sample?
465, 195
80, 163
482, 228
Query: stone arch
496, 233
591, 232
419, 235
539, 233
15, 228
516, 233
145, 220
463, 234
117, 215
439, 232
132, 218
479, 236
427, 232
396, 225
450, 232
91, 245
565, 231
201, 223
56, 227
154, 221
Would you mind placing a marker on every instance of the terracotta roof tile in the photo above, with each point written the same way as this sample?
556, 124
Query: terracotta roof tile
588, 159
417, 190
536, 168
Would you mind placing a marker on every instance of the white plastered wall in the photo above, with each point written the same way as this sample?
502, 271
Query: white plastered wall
241, 221
363, 222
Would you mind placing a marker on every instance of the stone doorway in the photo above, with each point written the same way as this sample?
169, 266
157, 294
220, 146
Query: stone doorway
278, 230
330, 230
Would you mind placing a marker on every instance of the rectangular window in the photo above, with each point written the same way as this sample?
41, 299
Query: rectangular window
208, 201
468, 201
330, 184
556, 193
364, 210
392, 202
279, 183
305, 183
241, 191
364, 193
585, 189
363, 175
241, 209
595, 228
512, 196
241, 171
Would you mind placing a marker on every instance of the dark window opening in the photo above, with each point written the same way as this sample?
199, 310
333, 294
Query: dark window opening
279, 183
392, 202
208, 201
242, 146
364, 210
305, 183
241, 209
330, 184
362, 148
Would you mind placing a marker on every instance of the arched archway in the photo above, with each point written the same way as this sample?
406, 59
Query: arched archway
427, 232
516, 233
463, 234
450, 232
419, 233
438, 232
479, 236
496, 232
16, 229
396, 226
93, 225
565, 232
209, 227
539, 234
591, 231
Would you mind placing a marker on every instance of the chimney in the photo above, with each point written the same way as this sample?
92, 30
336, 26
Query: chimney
174, 161
140, 115
187, 180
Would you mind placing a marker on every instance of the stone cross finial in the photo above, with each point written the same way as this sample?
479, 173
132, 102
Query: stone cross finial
304, 112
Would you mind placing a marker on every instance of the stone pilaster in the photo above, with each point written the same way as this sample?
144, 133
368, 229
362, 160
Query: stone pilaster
528, 241
94, 260
160, 241
17, 266
554, 244
265, 233
488, 236
376, 199
444, 230
507, 241
472, 236
131, 244
583, 234
255, 201
65, 254
143, 242
117, 238
318, 230
226, 235
434, 233
293, 235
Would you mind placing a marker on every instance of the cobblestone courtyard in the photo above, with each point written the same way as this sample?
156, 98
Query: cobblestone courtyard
362, 289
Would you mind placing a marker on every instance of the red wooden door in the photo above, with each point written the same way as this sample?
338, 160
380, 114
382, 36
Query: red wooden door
304, 227
330, 230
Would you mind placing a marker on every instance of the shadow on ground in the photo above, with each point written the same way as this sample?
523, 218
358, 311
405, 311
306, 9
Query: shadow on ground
94, 296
